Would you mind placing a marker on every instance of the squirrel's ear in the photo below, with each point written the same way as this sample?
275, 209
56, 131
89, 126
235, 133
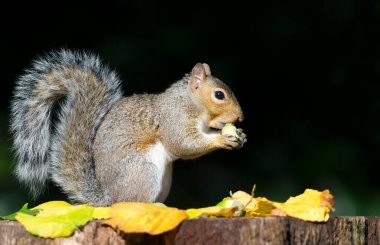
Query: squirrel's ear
198, 75
207, 69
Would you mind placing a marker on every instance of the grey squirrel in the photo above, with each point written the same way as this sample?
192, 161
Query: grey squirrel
106, 148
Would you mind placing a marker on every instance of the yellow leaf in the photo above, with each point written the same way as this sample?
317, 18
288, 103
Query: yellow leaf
312, 205
52, 222
263, 208
65, 210
52, 204
102, 213
135, 217
47, 227
216, 211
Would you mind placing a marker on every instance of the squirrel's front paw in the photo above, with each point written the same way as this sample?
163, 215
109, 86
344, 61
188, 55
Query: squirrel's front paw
242, 136
228, 142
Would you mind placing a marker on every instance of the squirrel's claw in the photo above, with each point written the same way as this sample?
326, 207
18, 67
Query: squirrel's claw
242, 137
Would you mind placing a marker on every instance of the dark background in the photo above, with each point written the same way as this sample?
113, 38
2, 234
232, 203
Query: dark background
306, 74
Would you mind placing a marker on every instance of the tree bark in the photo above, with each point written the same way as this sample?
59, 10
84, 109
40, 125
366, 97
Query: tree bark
272, 230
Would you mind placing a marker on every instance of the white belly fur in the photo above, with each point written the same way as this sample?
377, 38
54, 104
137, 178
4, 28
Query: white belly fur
162, 159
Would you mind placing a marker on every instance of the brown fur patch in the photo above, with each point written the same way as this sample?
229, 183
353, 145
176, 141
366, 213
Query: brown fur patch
147, 141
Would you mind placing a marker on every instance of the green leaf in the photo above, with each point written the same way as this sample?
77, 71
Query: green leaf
23, 210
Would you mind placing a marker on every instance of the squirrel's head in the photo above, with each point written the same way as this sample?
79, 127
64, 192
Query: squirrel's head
215, 96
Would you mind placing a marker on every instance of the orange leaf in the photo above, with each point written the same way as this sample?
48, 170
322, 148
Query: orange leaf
327, 200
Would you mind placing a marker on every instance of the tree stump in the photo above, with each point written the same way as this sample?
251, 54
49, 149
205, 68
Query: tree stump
271, 230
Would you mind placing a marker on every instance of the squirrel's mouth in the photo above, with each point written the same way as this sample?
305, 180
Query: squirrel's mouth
214, 130
217, 125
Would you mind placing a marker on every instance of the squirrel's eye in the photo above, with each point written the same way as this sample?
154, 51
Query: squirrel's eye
219, 95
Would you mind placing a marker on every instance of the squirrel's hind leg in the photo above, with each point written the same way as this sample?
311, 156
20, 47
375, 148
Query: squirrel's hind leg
135, 181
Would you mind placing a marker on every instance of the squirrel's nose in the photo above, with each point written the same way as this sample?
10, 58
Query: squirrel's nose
240, 116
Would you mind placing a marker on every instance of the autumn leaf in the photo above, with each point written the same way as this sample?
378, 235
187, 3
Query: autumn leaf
56, 219
213, 211
327, 200
53, 208
262, 208
50, 204
312, 205
133, 217
47, 227
102, 213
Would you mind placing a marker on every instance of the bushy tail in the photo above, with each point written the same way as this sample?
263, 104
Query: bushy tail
65, 152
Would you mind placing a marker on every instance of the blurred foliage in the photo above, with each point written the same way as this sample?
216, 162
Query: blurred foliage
306, 74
